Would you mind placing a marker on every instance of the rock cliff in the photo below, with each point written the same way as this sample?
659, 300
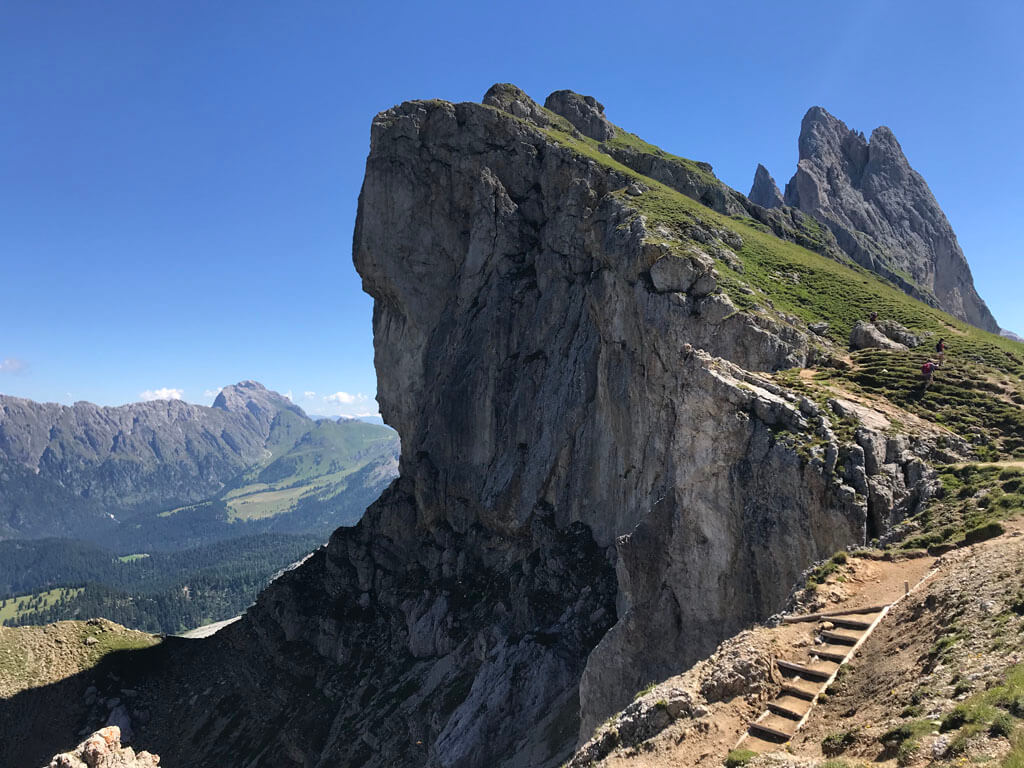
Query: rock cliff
597, 482
883, 214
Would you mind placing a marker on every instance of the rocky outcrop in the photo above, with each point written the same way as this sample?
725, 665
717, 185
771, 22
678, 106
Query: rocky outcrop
866, 335
510, 98
585, 113
764, 191
1011, 335
882, 214
103, 750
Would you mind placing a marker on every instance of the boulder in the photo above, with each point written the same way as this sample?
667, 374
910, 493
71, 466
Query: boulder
867, 336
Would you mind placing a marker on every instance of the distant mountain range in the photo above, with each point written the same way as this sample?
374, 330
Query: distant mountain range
164, 515
168, 474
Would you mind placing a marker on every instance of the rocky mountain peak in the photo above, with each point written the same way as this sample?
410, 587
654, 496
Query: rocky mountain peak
764, 191
585, 113
882, 213
254, 398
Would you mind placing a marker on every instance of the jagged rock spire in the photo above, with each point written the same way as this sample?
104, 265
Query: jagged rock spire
883, 214
765, 192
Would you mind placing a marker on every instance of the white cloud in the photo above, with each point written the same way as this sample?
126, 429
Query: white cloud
212, 393
341, 403
164, 393
288, 394
343, 398
12, 365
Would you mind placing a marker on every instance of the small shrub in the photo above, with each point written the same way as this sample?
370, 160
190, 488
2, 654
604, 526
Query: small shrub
961, 688
907, 752
644, 691
1003, 725
739, 757
837, 743
954, 719
1015, 706
958, 745
983, 532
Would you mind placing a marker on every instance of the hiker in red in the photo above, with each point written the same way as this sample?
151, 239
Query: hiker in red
928, 370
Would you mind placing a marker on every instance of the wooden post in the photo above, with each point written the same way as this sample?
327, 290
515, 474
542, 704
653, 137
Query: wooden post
906, 587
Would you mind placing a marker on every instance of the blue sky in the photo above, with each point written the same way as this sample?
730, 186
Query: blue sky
180, 178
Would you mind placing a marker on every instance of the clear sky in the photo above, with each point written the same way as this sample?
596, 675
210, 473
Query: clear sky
178, 179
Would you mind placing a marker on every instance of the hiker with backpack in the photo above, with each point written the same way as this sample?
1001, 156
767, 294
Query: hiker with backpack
940, 350
927, 371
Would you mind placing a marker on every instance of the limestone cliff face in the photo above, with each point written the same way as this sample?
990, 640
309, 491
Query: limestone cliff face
883, 214
596, 485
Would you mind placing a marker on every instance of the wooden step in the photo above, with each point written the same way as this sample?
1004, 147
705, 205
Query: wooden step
790, 706
848, 636
831, 652
854, 622
775, 725
755, 744
798, 686
820, 669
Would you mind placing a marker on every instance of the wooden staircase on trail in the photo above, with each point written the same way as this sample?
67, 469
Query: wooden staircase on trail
837, 638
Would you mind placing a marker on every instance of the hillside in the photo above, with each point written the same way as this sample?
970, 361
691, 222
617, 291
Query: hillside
631, 424
265, 483
114, 475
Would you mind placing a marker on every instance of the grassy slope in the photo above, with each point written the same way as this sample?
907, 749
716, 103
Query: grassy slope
14, 607
314, 462
36, 656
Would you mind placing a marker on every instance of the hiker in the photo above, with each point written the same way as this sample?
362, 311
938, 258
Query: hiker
927, 371
940, 350
873, 317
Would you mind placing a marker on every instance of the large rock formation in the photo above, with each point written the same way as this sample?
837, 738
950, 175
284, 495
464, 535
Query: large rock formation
596, 484
883, 214
598, 480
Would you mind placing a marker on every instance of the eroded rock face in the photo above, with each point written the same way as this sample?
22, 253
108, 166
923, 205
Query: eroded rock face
883, 214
